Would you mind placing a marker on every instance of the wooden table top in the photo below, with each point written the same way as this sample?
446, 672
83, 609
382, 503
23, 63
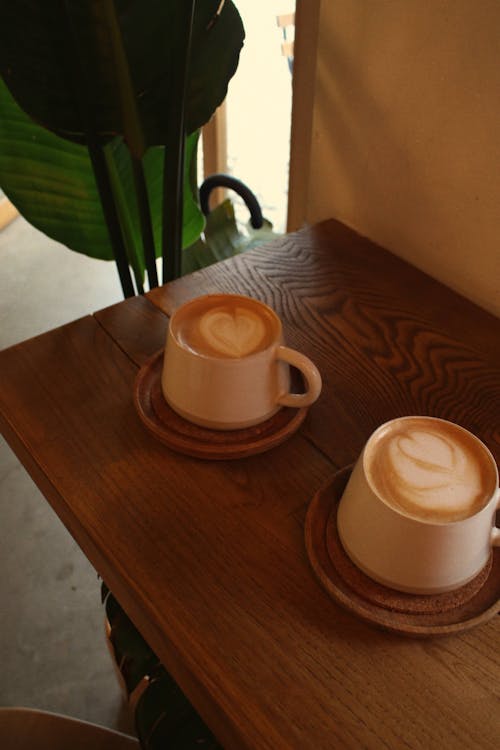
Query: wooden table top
208, 558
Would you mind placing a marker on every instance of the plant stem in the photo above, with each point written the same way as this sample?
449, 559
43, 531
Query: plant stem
173, 174
133, 132
148, 242
126, 221
110, 214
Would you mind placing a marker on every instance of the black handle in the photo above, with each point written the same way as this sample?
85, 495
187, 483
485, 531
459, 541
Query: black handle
225, 180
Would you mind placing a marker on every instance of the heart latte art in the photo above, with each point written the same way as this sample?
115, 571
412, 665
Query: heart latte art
233, 333
429, 469
226, 326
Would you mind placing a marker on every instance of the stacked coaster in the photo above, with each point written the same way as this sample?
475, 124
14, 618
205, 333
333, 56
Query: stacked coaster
408, 614
185, 437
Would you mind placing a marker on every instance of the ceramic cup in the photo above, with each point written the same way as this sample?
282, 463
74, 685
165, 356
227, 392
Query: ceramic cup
225, 364
418, 511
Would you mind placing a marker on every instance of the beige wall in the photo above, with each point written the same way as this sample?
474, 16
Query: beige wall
396, 131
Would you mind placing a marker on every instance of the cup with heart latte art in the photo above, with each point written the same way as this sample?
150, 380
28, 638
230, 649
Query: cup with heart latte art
226, 366
418, 512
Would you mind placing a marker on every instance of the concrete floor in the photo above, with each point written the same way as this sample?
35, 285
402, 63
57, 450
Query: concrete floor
53, 654
52, 648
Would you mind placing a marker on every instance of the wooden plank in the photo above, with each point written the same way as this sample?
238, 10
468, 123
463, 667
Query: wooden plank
208, 558
66, 409
388, 339
189, 546
138, 327
329, 259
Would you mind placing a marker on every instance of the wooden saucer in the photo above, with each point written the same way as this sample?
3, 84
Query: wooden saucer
185, 437
408, 614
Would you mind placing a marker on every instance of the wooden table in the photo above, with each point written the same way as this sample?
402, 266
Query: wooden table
208, 558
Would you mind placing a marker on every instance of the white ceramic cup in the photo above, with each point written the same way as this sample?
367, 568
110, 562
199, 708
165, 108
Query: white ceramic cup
214, 390
405, 550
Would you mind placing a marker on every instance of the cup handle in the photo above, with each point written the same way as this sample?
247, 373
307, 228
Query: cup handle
495, 532
310, 373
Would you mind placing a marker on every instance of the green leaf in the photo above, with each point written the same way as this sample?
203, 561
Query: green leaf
224, 237
215, 51
48, 48
51, 183
193, 219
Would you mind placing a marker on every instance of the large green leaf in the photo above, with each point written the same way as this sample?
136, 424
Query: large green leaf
51, 182
46, 47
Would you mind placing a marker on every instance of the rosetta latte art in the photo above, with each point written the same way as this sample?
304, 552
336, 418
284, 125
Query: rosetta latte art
433, 473
233, 333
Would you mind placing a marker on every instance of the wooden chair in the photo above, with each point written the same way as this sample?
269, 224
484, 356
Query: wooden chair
31, 729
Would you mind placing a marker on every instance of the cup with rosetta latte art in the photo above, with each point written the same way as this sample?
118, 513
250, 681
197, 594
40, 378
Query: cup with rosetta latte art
418, 511
226, 366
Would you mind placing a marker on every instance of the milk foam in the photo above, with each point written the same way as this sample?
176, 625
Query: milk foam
433, 472
430, 469
233, 333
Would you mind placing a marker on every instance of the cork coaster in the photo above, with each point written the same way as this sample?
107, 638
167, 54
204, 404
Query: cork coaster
391, 599
185, 437
407, 614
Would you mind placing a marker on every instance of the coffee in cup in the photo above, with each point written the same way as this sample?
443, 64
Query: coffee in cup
418, 512
430, 469
229, 327
225, 364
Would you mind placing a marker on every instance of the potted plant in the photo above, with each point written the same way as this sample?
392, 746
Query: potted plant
101, 103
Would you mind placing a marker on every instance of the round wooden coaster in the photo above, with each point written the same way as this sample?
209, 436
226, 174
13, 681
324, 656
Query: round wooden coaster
185, 437
407, 614
396, 601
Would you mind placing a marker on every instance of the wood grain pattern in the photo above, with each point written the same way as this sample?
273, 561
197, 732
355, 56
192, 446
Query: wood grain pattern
388, 340
208, 558
138, 327
113, 487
